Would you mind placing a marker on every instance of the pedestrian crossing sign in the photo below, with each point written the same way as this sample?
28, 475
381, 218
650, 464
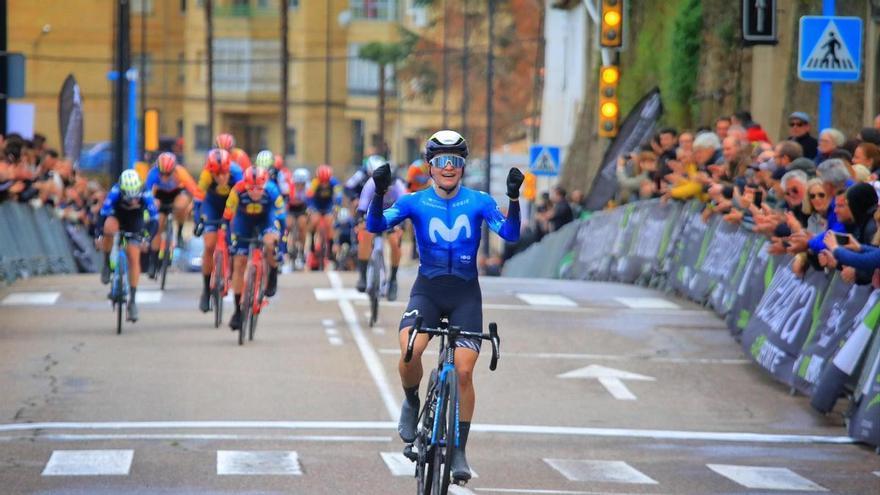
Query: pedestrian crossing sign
544, 160
830, 49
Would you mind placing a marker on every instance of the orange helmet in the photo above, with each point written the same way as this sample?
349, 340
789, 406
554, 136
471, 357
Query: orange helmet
279, 162
225, 141
218, 161
240, 157
255, 178
324, 173
166, 163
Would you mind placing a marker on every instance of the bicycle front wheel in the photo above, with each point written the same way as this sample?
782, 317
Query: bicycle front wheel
217, 291
118, 292
451, 410
166, 253
247, 303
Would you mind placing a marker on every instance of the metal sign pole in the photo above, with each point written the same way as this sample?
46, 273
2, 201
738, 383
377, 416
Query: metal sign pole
826, 89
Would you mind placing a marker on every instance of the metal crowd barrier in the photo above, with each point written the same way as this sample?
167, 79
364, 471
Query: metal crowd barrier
816, 334
32, 242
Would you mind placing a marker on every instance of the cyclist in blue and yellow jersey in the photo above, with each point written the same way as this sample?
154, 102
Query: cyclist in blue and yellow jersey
174, 190
254, 206
324, 194
447, 219
215, 182
278, 177
125, 209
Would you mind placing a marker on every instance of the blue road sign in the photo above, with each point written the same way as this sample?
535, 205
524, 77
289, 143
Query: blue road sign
830, 49
544, 160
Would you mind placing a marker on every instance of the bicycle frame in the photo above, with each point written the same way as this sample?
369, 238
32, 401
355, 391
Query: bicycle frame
443, 369
223, 250
256, 260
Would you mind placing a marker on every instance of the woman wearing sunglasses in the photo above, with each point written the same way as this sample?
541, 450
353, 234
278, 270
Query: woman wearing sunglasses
816, 203
447, 219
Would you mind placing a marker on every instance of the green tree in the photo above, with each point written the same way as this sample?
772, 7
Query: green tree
383, 54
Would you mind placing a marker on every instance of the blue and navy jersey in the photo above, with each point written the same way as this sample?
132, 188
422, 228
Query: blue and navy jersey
268, 210
116, 204
447, 230
324, 196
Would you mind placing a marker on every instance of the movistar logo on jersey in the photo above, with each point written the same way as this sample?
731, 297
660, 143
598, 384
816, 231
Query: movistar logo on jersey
438, 227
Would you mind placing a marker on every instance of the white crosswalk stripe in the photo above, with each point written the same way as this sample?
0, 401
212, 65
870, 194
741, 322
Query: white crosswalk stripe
766, 478
89, 463
546, 300
599, 471
270, 462
31, 299
399, 465
646, 303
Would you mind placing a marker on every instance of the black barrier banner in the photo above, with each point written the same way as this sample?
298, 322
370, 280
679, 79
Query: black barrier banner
724, 293
864, 425
596, 238
782, 321
688, 249
843, 310
719, 259
651, 232
637, 128
758, 273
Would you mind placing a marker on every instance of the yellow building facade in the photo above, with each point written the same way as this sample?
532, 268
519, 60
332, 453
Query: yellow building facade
331, 120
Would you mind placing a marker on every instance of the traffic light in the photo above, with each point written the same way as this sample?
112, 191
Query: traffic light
609, 77
611, 34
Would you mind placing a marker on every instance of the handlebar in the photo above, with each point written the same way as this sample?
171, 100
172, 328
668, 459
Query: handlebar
455, 332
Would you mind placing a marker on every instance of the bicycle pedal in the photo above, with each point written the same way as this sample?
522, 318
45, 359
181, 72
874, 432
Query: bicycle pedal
410, 453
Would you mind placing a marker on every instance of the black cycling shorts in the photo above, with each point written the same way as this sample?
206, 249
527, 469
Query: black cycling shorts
132, 222
459, 300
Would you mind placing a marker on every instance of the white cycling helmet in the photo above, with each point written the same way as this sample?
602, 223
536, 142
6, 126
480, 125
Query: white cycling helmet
130, 184
301, 176
376, 161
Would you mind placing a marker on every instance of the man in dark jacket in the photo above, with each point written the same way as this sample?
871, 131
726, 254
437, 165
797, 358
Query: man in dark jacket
799, 132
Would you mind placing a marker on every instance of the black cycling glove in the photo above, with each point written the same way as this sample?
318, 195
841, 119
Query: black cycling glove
514, 181
382, 179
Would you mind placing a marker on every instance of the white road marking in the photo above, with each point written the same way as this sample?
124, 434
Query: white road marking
148, 296
398, 464
544, 492
646, 303
328, 323
766, 478
331, 331
459, 490
268, 462
31, 299
392, 425
340, 294
567, 309
187, 436
371, 358
546, 300
599, 471
378, 331
335, 341
605, 357
877, 474
610, 378
89, 463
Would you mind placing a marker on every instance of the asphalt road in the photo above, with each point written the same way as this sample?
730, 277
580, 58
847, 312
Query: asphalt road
601, 388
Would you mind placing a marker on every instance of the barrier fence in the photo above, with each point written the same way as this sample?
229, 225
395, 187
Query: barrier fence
815, 334
33, 241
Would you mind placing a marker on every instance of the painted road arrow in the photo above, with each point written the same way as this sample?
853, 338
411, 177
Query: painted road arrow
610, 378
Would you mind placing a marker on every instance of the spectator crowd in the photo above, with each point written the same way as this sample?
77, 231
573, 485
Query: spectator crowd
32, 173
815, 197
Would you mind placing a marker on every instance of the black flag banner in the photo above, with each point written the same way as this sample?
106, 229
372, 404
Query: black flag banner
637, 128
70, 119
864, 425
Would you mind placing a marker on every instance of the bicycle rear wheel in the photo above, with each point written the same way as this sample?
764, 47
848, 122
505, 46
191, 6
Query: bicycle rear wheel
255, 308
424, 466
166, 254
118, 290
247, 303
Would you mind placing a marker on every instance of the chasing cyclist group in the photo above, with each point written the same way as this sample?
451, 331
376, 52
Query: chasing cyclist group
236, 198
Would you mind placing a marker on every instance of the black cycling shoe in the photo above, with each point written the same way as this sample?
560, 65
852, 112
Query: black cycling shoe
235, 321
460, 469
153, 271
361, 284
132, 313
392, 290
205, 302
272, 282
105, 274
409, 417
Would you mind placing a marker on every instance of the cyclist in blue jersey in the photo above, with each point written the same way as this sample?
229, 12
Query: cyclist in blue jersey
447, 218
125, 209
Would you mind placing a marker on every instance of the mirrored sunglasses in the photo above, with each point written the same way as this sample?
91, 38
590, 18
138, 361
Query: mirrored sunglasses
442, 160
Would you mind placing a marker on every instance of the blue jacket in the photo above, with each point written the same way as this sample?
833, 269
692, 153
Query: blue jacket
817, 243
447, 230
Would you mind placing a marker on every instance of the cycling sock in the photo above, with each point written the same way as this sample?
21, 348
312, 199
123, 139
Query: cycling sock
238, 304
362, 268
393, 273
106, 259
206, 280
412, 394
464, 427
133, 291
179, 233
